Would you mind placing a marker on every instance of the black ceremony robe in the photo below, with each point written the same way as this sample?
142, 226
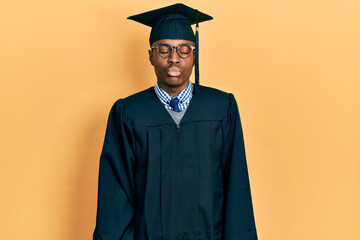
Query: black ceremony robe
162, 181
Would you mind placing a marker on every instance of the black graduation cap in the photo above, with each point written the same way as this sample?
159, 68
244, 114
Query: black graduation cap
174, 22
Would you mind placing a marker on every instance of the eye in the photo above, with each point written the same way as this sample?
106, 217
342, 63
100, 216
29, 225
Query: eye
164, 49
184, 49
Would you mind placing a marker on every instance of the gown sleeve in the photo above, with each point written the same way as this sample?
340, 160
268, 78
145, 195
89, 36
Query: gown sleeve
115, 210
239, 223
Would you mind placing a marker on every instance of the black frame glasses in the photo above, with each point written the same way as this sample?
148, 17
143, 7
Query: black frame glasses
181, 55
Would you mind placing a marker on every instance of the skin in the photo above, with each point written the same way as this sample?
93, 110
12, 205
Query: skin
172, 73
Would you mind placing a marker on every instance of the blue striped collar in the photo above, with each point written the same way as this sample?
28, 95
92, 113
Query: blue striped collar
184, 96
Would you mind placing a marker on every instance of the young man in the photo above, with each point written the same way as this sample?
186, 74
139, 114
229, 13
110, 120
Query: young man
173, 164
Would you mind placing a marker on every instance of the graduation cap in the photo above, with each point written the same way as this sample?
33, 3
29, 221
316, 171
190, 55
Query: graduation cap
174, 22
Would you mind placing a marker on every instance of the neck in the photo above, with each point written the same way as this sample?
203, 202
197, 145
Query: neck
173, 91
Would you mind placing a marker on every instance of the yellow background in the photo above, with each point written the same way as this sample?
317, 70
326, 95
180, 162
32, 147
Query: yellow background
293, 66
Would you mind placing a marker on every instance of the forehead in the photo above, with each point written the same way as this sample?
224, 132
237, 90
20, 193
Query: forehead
173, 42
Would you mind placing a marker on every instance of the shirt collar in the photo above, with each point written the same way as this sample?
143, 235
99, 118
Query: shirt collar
184, 96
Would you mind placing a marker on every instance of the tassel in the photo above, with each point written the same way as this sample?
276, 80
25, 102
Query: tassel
197, 81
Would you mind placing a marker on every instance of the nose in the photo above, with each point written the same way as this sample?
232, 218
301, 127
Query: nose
174, 57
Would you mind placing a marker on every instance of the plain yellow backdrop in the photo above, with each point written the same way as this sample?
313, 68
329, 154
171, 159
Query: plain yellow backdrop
293, 66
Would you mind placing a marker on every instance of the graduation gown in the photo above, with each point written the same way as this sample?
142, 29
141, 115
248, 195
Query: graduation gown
162, 181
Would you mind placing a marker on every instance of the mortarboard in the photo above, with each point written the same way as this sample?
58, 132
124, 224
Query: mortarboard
174, 22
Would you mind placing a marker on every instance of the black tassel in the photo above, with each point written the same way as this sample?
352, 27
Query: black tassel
197, 81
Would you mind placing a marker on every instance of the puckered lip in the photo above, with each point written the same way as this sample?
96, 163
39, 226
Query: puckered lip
173, 69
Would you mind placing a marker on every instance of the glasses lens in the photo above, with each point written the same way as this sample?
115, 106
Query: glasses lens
184, 51
164, 50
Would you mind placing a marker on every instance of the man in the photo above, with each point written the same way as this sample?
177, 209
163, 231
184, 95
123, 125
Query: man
173, 164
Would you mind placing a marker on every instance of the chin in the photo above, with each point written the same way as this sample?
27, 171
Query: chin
175, 82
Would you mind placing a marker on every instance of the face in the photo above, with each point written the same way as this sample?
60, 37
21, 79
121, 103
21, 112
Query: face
173, 72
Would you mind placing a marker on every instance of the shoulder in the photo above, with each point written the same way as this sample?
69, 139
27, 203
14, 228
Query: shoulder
143, 109
135, 102
216, 98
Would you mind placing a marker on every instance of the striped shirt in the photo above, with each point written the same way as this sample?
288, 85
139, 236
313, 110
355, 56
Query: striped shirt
184, 96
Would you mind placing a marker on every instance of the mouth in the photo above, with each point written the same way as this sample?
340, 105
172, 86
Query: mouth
174, 72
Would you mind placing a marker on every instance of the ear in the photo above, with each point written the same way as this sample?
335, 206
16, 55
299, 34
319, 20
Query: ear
151, 57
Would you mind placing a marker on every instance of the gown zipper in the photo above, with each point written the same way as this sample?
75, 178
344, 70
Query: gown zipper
179, 157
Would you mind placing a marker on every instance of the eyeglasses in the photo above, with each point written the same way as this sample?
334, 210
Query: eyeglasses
165, 50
